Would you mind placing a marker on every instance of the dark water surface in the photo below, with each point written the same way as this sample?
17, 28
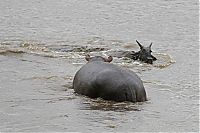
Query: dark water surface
43, 43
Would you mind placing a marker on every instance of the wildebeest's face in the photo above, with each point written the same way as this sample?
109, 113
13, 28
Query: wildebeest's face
98, 58
145, 54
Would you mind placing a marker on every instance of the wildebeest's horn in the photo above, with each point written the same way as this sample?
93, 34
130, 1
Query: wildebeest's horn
110, 58
150, 45
141, 47
87, 57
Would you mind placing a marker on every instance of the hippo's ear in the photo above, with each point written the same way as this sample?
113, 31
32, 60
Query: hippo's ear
87, 57
110, 58
141, 47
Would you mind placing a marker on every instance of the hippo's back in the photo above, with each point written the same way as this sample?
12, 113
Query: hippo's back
108, 81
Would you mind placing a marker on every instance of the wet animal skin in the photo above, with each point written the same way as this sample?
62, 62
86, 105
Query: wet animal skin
100, 78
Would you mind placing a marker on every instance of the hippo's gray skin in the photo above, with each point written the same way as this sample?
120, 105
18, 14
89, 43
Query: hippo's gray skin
143, 55
99, 78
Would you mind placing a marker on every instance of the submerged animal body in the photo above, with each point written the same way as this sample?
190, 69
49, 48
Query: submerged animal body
99, 78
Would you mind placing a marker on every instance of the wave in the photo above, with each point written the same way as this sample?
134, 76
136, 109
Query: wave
77, 50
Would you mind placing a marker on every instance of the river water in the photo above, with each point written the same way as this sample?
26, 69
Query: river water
43, 43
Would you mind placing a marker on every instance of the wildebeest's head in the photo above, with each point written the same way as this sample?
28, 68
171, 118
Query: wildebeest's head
98, 58
144, 54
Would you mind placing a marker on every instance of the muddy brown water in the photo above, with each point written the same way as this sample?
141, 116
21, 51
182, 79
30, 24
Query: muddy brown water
43, 43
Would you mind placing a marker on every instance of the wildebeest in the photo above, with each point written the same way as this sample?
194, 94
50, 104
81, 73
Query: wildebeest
100, 78
143, 55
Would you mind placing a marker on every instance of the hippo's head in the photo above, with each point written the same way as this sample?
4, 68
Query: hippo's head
144, 54
98, 58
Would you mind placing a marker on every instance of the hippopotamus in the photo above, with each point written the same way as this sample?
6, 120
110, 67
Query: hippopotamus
143, 55
100, 78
